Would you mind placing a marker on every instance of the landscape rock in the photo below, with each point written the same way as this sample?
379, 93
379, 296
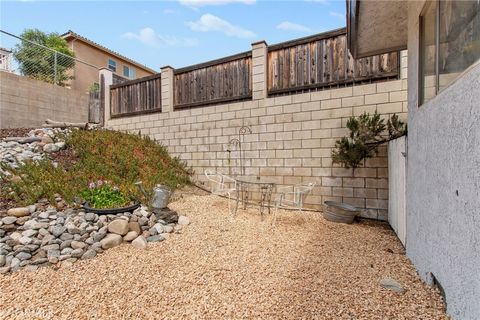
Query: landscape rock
392, 284
156, 238
118, 226
183, 220
134, 226
2, 260
77, 245
111, 240
89, 254
130, 236
140, 243
77, 253
18, 212
23, 256
9, 220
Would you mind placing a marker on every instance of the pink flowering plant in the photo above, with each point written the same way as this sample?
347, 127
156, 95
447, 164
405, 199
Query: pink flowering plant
102, 195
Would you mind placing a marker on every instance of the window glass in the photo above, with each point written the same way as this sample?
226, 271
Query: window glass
428, 50
459, 44
112, 65
128, 72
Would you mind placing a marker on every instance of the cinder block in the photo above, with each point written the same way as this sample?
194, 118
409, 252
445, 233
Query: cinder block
342, 92
321, 95
365, 193
342, 192
353, 101
330, 123
365, 172
302, 116
303, 97
311, 106
331, 182
389, 86
302, 172
393, 107
364, 89
354, 182
376, 98
331, 104
376, 204
379, 183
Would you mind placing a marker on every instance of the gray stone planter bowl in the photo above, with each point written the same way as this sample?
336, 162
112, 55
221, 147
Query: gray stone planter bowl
339, 212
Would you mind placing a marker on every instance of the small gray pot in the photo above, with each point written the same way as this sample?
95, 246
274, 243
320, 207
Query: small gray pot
339, 212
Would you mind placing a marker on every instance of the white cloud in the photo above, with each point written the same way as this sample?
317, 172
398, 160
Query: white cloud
149, 37
290, 26
337, 14
201, 3
209, 22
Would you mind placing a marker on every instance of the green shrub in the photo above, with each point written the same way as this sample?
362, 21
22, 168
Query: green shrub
117, 157
102, 195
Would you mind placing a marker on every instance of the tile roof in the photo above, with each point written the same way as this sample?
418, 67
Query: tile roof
71, 34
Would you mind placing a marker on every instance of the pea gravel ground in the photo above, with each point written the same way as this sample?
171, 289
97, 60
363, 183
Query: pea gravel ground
232, 268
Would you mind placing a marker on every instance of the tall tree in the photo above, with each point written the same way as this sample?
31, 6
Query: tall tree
40, 63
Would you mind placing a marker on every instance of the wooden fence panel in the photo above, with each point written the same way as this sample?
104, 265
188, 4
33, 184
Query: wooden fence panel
135, 97
323, 60
222, 80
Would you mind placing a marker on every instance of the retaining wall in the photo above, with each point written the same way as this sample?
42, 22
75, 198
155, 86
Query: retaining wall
292, 137
26, 102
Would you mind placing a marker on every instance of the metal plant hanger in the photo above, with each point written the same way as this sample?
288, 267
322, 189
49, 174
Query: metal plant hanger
241, 133
236, 143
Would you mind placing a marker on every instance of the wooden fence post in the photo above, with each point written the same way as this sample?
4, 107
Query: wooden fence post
259, 70
167, 88
105, 80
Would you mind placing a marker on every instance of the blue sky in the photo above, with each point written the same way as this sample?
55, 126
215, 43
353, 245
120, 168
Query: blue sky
177, 33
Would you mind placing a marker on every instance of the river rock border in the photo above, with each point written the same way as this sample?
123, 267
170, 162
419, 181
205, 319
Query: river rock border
32, 238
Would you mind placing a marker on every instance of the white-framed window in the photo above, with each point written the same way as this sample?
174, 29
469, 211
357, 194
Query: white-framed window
112, 65
129, 72
449, 38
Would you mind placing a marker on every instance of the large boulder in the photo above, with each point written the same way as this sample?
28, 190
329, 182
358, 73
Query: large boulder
111, 240
118, 226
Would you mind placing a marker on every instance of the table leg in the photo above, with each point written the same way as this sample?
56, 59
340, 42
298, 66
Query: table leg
269, 196
238, 192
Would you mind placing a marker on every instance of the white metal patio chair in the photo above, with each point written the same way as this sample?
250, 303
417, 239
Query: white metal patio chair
221, 185
292, 197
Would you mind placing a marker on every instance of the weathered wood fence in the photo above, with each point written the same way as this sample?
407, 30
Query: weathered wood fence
216, 81
322, 60
309, 63
136, 96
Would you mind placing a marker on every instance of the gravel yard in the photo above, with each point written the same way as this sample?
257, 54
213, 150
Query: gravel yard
224, 267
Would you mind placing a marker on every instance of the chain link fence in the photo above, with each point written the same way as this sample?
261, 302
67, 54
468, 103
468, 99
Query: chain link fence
27, 58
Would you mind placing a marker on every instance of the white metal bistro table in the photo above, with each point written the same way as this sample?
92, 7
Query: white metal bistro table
265, 187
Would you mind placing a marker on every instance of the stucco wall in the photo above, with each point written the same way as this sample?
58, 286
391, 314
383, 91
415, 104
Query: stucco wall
443, 184
26, 102
85, 75
291, 141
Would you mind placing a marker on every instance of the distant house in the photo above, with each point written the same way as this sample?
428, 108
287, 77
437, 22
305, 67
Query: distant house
5, 60
443, 154
99, 56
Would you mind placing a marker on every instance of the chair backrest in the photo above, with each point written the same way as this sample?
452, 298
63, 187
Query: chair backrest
218, 181
301, 191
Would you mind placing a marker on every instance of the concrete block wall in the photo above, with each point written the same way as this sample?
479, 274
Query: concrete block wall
26, 102
292, 137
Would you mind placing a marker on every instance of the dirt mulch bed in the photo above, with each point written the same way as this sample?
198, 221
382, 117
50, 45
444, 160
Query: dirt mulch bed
14, 132
233, 268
